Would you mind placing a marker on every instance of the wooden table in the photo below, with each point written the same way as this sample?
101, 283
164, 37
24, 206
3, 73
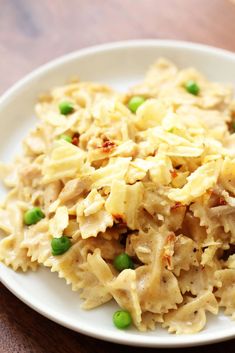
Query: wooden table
33, 32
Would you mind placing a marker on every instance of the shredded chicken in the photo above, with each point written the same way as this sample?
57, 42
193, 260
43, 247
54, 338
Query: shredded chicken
74, 188
29, 174
51, 193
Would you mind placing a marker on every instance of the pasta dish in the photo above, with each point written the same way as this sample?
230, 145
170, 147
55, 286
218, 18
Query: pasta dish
130, 197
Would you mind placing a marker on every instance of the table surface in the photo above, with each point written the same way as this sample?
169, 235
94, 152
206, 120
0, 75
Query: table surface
34, 32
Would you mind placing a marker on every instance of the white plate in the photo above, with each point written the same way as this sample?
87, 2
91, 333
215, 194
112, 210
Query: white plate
120, 65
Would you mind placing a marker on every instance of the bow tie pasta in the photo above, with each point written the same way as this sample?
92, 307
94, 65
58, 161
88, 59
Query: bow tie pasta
130, 197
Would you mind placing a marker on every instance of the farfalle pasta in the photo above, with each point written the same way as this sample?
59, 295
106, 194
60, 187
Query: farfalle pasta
147, 175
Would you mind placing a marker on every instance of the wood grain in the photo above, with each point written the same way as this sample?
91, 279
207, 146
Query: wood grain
33, 32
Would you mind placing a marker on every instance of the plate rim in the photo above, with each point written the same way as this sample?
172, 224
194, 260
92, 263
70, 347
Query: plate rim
187, 45
120, 337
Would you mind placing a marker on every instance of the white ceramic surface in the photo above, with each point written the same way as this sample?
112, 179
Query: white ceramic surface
120, 65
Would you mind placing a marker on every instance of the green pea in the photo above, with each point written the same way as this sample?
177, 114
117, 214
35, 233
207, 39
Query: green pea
60, 245
122, 262
66, 107
66, 138
32, 216
192, 87
135, 102
122, 319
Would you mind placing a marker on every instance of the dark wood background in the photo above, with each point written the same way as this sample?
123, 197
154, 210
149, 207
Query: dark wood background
35, 31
